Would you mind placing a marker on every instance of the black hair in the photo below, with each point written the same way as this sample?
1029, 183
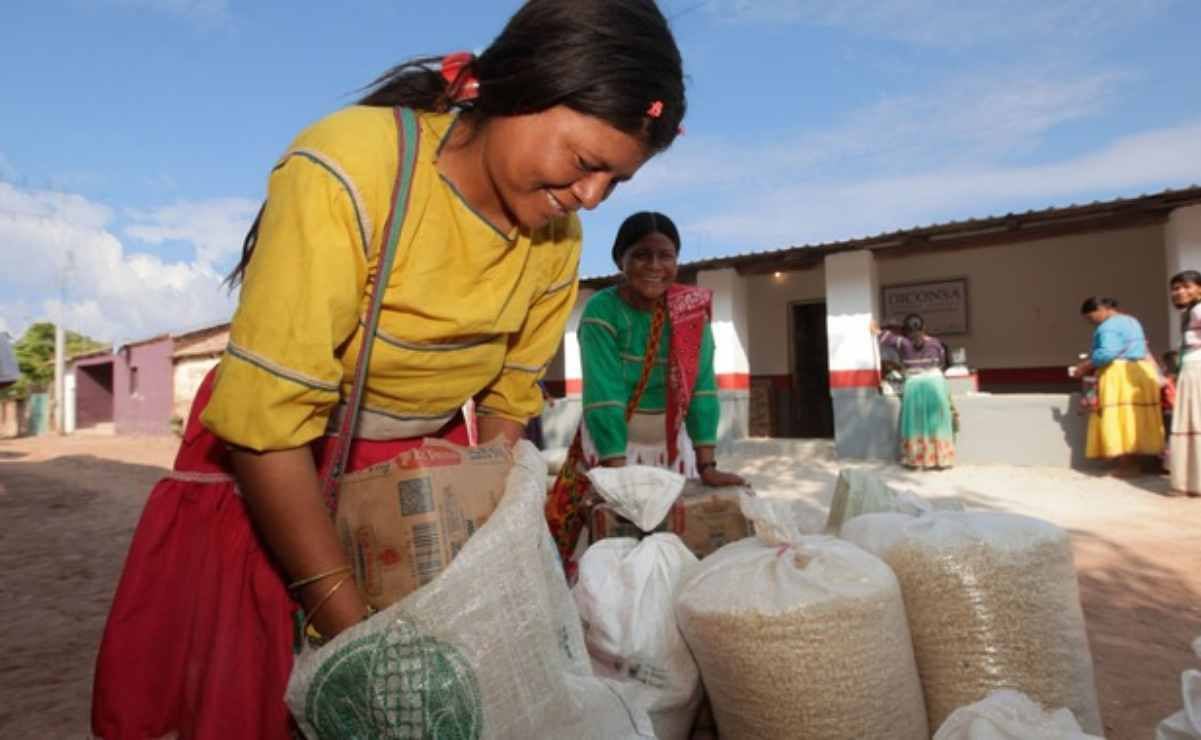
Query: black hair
1187, 276
913, 324
1092, 303
639, 225
610, 59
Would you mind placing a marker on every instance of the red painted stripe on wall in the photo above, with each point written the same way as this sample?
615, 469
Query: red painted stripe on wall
1026, 375
854, 378
575, 386
733, 381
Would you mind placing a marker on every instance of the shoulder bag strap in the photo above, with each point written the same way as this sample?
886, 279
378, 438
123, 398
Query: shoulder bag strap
406, 126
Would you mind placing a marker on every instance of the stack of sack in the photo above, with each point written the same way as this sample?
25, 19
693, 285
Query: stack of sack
625, 593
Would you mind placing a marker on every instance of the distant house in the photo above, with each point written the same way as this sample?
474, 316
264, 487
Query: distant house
143, 392
144, 387
196, 353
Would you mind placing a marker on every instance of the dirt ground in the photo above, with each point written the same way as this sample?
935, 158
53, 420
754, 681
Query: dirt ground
68, 507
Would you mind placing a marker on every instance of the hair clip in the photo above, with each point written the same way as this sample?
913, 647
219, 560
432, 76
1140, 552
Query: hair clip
656, 109
461, 85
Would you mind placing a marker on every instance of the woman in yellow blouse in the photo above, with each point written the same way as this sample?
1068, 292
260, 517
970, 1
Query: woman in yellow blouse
500, 150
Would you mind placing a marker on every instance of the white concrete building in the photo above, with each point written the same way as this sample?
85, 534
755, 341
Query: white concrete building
196, 352
795, 357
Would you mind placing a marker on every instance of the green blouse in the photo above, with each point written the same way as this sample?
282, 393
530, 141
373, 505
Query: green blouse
613, 337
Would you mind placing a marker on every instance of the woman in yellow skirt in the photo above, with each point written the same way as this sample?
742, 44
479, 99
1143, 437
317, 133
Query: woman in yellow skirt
1127, 421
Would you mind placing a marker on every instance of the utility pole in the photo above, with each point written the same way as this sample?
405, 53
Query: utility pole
60, 407
60, 351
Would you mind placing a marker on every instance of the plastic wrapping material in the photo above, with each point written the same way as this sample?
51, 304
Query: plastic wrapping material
625, 594
492, 648
1010, 715
639, 493
859, 491
992, 603
806, 640
1185, 724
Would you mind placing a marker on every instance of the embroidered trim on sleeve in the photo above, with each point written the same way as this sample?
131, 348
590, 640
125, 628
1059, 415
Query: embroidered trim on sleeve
278, 370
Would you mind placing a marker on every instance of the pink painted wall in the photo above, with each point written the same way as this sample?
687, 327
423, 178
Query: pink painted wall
143, 377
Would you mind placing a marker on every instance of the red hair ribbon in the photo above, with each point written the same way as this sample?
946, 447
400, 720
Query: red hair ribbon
656, 109
461, 82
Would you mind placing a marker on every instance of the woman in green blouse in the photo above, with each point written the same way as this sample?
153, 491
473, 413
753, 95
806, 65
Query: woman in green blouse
663, 412
674, 423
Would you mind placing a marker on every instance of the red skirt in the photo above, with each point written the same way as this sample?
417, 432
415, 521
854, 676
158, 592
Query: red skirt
198, 643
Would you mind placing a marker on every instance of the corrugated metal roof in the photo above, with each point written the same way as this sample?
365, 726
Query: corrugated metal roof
947, 232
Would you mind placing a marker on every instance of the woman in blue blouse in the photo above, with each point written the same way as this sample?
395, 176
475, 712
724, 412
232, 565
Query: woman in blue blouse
1127, 421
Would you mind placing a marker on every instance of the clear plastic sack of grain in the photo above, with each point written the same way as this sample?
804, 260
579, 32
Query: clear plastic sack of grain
993, 604
801, 638
492, 648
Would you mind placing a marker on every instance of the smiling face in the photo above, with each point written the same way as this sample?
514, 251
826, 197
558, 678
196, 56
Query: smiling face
1184, 293
649, 266
544, 165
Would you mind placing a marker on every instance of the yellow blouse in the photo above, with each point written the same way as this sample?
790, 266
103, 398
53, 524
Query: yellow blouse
467, 312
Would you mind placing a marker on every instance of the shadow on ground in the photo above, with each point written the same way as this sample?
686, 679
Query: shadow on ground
1142, 616
67, 526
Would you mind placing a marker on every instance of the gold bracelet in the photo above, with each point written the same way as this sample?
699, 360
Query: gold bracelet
324, 600
294, 585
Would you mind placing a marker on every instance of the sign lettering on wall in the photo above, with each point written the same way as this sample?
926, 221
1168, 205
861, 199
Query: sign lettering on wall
942, 304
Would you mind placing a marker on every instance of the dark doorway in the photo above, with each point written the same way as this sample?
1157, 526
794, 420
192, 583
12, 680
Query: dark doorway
812, 409
93, 395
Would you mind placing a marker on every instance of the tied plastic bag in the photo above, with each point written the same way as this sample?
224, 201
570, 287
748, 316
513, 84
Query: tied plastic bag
860, 491
1185, 724
804, 639
992, 602
777, 521
1010, 715
492, 648
625, 594
639, 493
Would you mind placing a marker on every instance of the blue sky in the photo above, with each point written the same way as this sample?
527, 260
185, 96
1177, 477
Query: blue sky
135, 135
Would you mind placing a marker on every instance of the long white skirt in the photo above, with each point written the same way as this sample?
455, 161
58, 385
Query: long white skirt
646, 444
1186, 428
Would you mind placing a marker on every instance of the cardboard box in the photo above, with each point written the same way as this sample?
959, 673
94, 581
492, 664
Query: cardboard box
704, 518
402, 522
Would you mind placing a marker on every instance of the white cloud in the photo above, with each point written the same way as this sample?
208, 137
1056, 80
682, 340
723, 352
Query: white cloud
216, 227
944, 24
813, 213
51, 240
971, 118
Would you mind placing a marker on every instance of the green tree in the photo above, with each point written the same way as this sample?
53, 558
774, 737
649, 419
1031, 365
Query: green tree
35, 356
